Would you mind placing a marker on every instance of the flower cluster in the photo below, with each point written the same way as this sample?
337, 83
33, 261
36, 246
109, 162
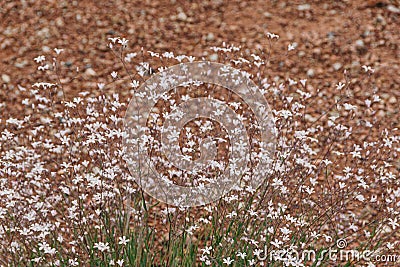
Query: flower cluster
67, 197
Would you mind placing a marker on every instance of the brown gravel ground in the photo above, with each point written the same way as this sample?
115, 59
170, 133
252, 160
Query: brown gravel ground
349, 33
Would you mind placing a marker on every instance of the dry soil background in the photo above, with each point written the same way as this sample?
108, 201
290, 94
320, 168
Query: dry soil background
331, 36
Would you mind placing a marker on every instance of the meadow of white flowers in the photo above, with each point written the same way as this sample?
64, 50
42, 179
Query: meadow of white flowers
67, 197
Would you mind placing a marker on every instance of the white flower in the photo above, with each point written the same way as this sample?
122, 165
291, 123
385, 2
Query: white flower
349, 106
360, 198
58, 51
114, 74
168, 55
327, 238
134, 84
285, 113
228, 261
368, 69
153, 54
39, 59
327, 162
113, 40
44, 67
100, 86
241, 254
102, 246
46, 248
123, 240
376, 98
203, 258
129, 56
123, 42
340, 86
252, 262
272, 35
257, 252
393, 223
232, 214
73, 262
206, 250
285, 231
292, 46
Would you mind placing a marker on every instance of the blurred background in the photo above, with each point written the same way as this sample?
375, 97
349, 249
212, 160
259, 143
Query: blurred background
330, 35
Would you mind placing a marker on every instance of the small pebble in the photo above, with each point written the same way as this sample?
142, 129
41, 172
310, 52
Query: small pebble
303, 7
385, 96
310, 118
393, 9
366, 33
5, 78
317, 51
355, 65
310, 73
392, 100
331, 35
90, 72
337, 66
360, 43
21, 64
43, 33
182, 16
213, 57
46, 49
267, 15
210, 37
360, 46
380, 20
381, 113
60, 22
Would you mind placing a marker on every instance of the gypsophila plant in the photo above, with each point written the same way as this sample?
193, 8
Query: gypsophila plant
68, 198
